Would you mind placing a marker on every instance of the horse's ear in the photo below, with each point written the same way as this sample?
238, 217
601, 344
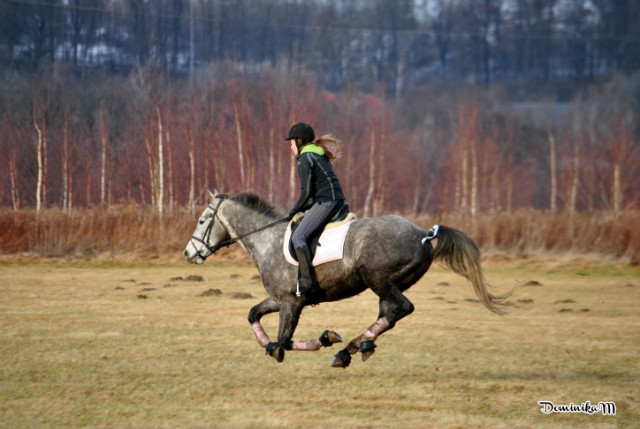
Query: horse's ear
212, 197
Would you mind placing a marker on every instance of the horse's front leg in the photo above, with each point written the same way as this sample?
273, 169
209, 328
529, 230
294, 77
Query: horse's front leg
267, 306
289, 317
327, 339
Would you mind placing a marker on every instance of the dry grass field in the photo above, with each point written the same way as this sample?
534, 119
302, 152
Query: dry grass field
142, 346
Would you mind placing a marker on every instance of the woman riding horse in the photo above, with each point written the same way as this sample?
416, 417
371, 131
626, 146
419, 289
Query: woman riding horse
320, 194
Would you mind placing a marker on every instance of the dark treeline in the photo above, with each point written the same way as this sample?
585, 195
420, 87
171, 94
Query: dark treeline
373, 44
442, 106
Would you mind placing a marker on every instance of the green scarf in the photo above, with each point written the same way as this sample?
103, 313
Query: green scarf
313, 148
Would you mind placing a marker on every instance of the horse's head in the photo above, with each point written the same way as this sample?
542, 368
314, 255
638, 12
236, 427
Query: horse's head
209, 232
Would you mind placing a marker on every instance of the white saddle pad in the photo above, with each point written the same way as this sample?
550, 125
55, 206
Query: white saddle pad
330, 245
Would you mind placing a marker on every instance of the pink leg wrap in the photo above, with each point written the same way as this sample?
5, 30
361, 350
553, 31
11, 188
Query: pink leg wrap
309, 345
371, 334
376, 329
261, 336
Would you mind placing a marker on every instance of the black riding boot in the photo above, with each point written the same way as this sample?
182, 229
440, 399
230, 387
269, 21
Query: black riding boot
306, 274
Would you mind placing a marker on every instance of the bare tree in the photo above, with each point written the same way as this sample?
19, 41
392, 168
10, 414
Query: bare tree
160, 151
553, 201
67, 178
372, 169
40, 125
623, 147
103, 155
467, 144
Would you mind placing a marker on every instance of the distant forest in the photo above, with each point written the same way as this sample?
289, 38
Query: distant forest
373, 44
441, 106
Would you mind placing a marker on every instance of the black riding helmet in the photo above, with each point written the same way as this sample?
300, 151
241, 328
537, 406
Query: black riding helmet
303, 132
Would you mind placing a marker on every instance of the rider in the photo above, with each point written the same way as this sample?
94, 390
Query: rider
320, 194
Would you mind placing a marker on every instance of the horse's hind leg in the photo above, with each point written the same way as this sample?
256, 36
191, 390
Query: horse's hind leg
393, 307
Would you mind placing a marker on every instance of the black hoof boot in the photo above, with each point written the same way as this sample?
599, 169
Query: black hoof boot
342, 360
329, 338
276, 351
367, 348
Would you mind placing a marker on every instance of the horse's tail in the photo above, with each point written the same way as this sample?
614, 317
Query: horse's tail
461, 254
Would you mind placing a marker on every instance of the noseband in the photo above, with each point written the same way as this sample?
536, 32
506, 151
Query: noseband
226, 243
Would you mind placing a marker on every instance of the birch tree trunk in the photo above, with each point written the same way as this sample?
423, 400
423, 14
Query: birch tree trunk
103, 158
13, 173
192, 170
617, 187
372, 172
292, 170
349, 182
474, 180
292, 180
240, 144
271, 161
554, 180
65, 162
152, 172
40, 148
160, 197
272, 175
379, 201
575, 180
464, 182
170, 170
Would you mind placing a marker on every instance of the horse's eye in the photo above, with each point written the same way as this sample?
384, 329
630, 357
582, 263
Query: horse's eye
201, 221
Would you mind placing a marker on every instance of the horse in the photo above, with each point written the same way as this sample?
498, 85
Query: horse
387, 254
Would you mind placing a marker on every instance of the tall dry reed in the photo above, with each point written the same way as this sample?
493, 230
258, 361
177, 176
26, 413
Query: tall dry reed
129, 229
530, 231
138, 230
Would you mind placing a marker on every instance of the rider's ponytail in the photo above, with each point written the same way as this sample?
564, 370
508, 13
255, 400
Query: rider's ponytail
330, 146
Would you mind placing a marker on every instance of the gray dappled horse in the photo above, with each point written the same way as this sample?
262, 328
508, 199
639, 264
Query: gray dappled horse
387, 254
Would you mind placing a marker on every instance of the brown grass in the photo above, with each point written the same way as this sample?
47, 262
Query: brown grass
94, 345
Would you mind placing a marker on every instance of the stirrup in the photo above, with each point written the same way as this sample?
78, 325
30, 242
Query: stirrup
309, 291
297, 292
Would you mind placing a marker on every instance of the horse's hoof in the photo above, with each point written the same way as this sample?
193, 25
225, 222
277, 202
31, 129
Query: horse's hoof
367, 348
329, 338
275, 351
342, 360
367, 355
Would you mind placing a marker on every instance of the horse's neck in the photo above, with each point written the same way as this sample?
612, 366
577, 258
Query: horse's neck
259, 246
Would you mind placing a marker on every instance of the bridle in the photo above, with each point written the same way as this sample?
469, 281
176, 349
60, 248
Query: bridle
225, 243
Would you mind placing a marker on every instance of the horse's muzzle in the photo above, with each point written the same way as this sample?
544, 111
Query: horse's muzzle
196, 259
193, 258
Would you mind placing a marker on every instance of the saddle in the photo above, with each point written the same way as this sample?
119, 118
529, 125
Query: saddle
341, 217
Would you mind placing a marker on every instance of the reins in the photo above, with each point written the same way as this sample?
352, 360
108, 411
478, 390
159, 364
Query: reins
226, 243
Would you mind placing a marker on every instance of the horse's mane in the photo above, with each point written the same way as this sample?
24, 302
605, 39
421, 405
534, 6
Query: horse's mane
255, 202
